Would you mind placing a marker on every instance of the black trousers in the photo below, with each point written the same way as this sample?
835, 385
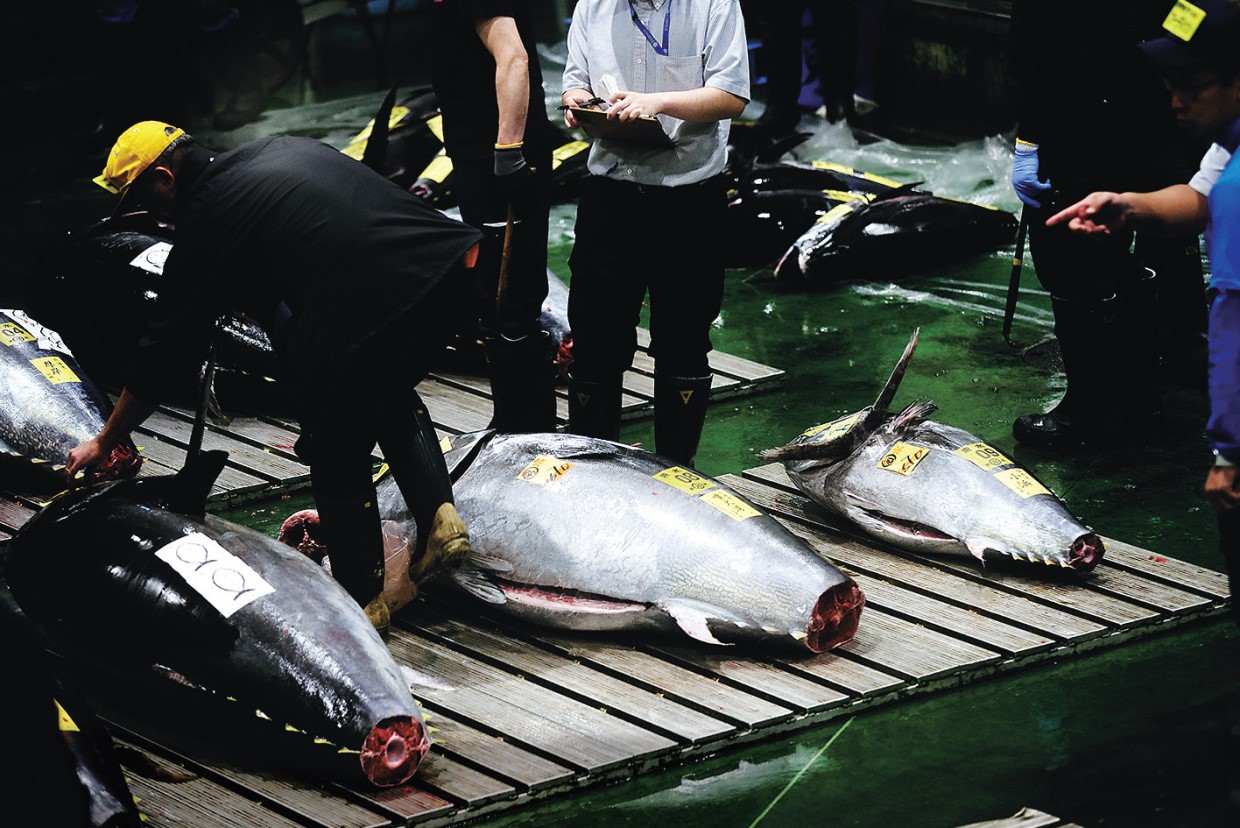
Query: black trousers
632, 240
473, 182
1229, 548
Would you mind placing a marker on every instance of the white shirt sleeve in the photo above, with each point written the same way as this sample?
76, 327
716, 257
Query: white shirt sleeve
1212, 164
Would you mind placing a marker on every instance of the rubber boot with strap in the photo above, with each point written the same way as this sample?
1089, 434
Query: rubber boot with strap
350, 529
522, 383
594, 407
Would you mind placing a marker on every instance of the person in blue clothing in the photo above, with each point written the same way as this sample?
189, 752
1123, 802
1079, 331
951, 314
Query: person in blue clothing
1199, 59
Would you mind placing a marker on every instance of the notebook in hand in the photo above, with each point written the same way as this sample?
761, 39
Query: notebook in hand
643, 130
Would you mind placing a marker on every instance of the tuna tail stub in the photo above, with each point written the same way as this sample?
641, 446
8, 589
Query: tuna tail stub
1085, 552
300, 531
393, 749
835, 618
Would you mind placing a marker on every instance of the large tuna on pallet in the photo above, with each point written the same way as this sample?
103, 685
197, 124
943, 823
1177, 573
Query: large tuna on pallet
131, 581
586, 534
48, 404
929, 487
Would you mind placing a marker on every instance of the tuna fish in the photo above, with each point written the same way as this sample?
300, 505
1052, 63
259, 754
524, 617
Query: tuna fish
895, 234
133, 583
924, 486
48, 404
579, 533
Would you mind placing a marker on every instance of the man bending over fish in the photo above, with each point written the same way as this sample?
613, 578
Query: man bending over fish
358, 284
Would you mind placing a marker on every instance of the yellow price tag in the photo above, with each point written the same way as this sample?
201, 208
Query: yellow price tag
65, 720
902, 458
55, 369
435, 125
848, 195
445, 445
566, 151
730, 505
685, 480
983, 456
829, 431
544, 469
11, 333
1183, 20
1022, 482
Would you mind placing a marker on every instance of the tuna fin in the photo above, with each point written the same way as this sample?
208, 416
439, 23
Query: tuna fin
477, 584
375, 154
883, 403
912, 413
692, 619
977, 547
829, 450
188, 489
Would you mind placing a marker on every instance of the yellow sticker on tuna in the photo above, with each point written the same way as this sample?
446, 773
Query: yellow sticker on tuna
11, 333
829, 431
730, 505
1183, 20
1021, 482
55, 369
544, 469
983, 456
835, 213
438, 169
685, 480
66, 721
902, 458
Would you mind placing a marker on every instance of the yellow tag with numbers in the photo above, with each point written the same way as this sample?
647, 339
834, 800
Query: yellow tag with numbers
983, 456
544, 469
11, 333
730, 505
829, 431
685, 480
902, 458
1022, 482
1183, 20
55, 369
66, 721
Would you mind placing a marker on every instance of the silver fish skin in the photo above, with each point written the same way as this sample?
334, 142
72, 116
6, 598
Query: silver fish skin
48, 404
586, 534
924, 486
128, 582
911, 484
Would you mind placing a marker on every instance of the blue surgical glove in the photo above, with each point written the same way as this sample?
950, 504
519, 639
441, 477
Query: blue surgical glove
1025, 174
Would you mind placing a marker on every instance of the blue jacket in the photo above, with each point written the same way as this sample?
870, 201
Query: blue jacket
1223, 245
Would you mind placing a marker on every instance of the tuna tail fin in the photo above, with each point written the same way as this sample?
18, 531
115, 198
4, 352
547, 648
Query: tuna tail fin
188, 489
912, 413
375, 154
842, 446
883, 403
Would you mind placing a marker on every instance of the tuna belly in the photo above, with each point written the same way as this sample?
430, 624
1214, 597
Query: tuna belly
573, 609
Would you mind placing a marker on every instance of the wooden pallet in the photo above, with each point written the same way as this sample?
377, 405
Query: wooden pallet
524, 714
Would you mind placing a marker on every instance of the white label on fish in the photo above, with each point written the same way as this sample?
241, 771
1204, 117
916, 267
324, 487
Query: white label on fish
152, 259
226, 581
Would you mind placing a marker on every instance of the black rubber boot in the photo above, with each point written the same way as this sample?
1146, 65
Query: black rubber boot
594, 408
522, 383
679, 413
351, 531
412, 452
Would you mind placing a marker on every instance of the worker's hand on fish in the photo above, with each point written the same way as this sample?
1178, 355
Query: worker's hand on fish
1223, 487
86, 456
1095, 213
1025, 180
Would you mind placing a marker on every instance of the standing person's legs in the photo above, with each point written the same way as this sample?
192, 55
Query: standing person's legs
604, 303
686, 294
518, 351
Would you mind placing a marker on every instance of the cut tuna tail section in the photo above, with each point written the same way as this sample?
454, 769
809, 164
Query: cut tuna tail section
883, 403
186, 491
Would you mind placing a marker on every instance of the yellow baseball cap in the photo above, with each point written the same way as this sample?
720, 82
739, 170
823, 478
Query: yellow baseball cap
133, 152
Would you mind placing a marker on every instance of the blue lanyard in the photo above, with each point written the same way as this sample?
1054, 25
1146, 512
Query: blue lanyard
667, 21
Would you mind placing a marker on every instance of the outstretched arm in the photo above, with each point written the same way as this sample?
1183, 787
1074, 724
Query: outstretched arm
128, 414
1171, 211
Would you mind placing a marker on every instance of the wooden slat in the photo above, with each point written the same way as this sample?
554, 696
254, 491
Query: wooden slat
230, 483
846, 673
506, 760
266, 465
898, 646
589, 685
13, 515
1181, 573
560, 728
459, 782
739, 368
453, 409
672, 680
